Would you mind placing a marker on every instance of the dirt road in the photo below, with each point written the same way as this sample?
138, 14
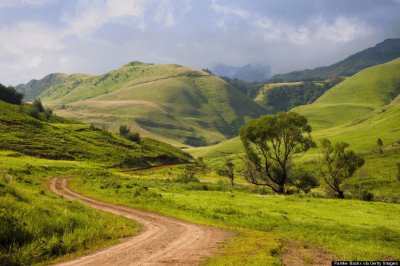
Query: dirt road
163, 240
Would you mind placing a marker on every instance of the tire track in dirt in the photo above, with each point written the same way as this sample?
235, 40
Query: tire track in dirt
163, 240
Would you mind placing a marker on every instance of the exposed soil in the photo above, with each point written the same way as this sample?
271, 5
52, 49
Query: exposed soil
300, 254
163, 240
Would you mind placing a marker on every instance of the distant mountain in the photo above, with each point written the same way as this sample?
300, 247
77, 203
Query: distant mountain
35, 87
249, 72
380, 53
172, 103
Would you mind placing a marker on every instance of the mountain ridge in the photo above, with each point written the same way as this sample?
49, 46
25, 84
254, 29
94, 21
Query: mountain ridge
382, 52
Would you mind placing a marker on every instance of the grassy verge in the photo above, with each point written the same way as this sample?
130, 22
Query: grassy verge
37, 227
350, 229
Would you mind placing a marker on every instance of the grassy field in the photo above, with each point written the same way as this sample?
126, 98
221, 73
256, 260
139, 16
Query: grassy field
168, 102
36, 226
357, 96
349, 229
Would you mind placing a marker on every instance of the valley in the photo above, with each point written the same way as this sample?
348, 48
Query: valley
158, 169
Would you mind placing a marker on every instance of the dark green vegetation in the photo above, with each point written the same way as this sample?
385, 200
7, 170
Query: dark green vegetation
167, 102
350, 229
58, 138
281, 97
10, 95
381, 53
270, 143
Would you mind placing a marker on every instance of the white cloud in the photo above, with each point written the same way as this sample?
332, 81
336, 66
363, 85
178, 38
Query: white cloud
96, 14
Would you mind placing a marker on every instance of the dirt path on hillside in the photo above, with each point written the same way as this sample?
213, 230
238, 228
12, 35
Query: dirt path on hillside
163, 240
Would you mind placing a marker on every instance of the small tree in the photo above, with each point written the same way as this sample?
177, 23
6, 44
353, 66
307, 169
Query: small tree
303, 179
270, 143
135, 137
38, 104
338, 164
124, 130
380, 145
228, 171
48, 113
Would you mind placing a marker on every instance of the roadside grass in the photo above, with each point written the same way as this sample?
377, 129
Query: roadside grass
350, 229
38, 227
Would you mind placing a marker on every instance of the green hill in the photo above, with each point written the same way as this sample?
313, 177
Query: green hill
35, 87
381, 53
167, 102
355, 97
63, 139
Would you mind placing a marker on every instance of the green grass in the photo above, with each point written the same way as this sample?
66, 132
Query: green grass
64, 139
354, 97
39, 227
350, 229
167, 102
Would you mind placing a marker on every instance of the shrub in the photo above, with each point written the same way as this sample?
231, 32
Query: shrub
367, 196
189, 175
135, 137
303, 180
124, 130
34, 112
38, 104
48, 113
10, 95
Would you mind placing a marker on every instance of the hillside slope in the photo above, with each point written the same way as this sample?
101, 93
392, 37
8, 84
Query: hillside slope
381, 53
355, 97
35, 87
63, 139
168, 102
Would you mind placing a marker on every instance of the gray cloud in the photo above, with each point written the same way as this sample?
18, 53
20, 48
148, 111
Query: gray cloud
44, 36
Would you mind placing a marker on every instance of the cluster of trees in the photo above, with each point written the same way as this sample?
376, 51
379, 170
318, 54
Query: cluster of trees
10, 95
124, 131
251, 89
272, 141
284, 98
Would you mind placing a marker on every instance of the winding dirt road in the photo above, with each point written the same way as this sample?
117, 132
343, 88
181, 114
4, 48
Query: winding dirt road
163, 240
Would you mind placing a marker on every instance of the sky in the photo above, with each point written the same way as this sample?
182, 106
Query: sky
39, 37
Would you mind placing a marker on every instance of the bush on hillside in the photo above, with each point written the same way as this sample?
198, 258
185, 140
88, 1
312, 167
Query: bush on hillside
303, 179
124, 131
38, 104
10, 95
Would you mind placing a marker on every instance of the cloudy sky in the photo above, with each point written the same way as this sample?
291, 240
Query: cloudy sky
93, 36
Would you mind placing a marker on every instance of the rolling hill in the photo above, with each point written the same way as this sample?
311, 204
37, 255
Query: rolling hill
359, 110
167, 102
355, 97
381, 53
62, 139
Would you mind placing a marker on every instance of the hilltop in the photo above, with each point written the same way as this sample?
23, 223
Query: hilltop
381, 53
168, 102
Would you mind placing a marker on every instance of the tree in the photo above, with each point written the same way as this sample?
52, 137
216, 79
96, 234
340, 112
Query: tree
380, 145
270, 143
228, 171
124, 130
303, 179
10, 95
338, 164
37, 103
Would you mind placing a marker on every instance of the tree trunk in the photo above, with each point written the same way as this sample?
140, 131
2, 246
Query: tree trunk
340, 194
